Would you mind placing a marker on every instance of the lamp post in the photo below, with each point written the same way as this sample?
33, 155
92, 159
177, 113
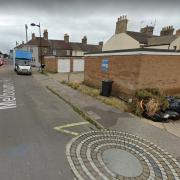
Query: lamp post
38, 25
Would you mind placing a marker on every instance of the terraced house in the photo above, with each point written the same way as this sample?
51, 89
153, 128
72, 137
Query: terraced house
59, 55
145, 38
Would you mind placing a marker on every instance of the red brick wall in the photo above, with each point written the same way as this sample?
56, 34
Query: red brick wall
132, 72
51, 64
160, 71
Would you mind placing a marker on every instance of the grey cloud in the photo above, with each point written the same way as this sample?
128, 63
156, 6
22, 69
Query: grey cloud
94, 18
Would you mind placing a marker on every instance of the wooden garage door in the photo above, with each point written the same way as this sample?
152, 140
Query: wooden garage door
78, 65
63, 65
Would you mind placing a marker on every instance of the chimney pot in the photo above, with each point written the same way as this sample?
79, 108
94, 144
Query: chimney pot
167, 31
101, 43
45, 34
147, 30
66, 38
121, 25
33, 36
84, 40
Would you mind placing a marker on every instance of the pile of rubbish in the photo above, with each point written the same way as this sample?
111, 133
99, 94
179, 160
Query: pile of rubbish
152, 111
154, 105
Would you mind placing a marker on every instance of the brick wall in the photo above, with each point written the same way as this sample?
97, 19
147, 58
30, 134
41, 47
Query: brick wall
131, 72
51, 64
160, 71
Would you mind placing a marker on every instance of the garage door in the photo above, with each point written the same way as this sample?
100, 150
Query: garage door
78, 65
63, 65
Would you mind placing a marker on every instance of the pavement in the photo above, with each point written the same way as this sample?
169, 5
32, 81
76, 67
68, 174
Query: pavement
155, 151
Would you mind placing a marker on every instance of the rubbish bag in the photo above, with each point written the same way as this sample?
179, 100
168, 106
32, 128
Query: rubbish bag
163, 116
175, 105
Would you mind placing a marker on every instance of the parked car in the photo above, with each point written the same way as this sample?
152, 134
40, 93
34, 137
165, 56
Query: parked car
1, 61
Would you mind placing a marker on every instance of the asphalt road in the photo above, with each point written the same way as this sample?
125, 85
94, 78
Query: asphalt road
30, 149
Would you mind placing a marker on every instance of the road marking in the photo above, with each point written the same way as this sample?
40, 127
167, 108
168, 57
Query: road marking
7, 97
61, 128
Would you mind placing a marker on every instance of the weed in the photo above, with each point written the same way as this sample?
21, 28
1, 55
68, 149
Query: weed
151, 100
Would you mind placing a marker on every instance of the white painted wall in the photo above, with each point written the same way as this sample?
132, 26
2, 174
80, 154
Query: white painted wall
35, 55
120, 41
78, 65
63, 65
77, 53
158, 47
176, 43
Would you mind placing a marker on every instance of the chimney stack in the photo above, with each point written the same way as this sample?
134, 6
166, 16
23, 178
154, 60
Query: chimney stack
45, 34
66, 38
167, 31
178, 32
84, 40
148, 30
101, 43
33, 36
121, 25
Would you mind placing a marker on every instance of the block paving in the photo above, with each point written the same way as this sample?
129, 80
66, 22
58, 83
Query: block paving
84, 154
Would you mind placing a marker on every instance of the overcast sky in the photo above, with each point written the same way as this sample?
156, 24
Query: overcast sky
94, 18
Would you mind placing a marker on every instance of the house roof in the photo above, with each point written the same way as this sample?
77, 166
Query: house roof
140, 37
36, 42
60, 44
85, 47
161, 40
19, 46
152, 40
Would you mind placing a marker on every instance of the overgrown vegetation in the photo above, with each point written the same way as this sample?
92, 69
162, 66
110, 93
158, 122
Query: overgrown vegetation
113, 101
149, 100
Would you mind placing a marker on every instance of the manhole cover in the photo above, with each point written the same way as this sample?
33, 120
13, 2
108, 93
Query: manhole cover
122, 162
114, 155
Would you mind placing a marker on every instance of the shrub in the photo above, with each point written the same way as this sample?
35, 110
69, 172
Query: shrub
74, 85
63, 82
149, 100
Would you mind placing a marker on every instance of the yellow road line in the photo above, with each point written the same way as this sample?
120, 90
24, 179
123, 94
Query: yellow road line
61, 128
68, 132
72, 125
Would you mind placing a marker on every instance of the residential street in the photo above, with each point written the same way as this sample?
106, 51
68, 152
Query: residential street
43, 138
30, 149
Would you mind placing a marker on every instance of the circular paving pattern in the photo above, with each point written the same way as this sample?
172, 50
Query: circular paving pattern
88, 157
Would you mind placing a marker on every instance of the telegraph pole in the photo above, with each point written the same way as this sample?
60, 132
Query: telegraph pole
26, 28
